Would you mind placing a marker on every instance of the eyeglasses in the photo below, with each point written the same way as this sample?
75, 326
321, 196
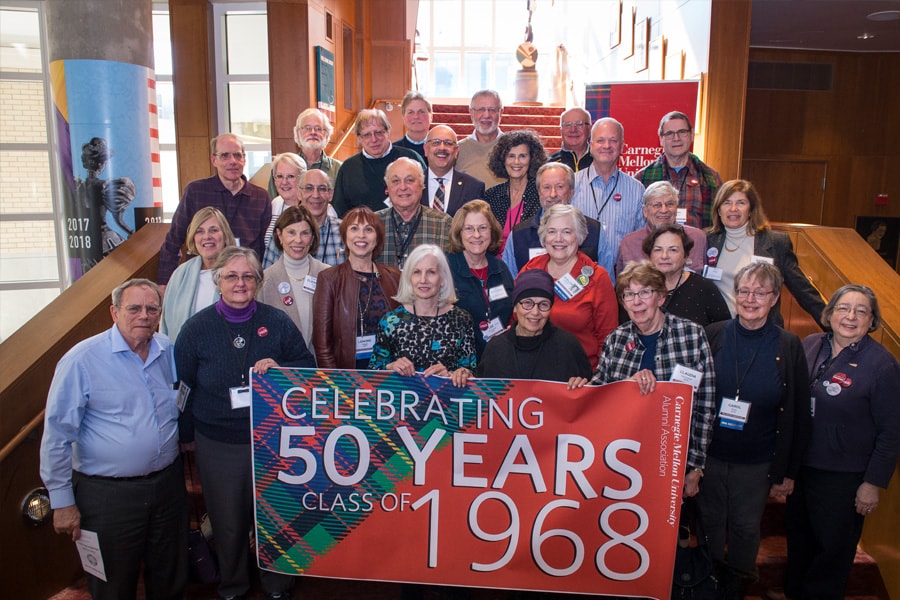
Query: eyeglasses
543, 305
234, 277
309, 189
380, 133
845, 309
436, 143
678, 132
758, 294
573, 124
491, 110
470, 229
658, 205
136, 309
312, 129
280, 177
629, 296
228, 155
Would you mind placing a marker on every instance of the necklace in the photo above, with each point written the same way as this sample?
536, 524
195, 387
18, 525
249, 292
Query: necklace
736, 248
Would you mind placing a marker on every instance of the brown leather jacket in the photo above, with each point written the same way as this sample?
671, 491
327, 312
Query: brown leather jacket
336, 313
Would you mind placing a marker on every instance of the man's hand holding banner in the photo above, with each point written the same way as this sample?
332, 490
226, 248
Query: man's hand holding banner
503, 484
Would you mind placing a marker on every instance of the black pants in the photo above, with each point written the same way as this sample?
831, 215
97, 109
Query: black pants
138, 521
823, 529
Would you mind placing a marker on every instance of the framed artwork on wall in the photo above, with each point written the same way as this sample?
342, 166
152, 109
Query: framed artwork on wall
882, 234
674, 69
615, 23
627, 48
657, 58
641, 41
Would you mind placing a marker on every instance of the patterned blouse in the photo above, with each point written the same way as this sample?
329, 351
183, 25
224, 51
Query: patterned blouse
445, 339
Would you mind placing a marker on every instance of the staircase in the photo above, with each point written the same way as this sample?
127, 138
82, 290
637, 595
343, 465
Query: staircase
544, 120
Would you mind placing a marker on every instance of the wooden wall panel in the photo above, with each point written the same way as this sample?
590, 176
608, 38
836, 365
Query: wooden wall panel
291, 66
725, 93
853, 127
195, 113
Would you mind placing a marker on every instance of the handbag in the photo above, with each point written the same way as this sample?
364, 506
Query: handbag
204, 566
694, 576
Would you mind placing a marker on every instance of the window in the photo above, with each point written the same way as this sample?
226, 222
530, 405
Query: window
242, 70
165, 105
31, 273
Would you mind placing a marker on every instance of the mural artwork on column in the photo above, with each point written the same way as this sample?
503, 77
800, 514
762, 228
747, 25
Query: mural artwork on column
108, 136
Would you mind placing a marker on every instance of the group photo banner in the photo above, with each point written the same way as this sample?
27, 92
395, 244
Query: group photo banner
510, 484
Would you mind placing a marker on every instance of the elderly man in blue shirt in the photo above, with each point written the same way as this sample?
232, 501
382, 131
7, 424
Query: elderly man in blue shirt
109, 455
605, 193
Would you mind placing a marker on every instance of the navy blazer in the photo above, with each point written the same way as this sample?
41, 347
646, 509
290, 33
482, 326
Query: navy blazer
462, 189
777, 246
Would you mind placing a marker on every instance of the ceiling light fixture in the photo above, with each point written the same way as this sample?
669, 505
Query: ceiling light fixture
884, 15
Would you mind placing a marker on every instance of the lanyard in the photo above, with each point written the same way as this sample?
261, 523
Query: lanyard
608, 196
402, 245
323, 251
737, 372
239, 341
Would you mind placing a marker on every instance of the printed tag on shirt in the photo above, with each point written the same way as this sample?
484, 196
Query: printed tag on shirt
494, 327
714, 273
181, 399
309, 284
388, 203
567, 287
364, 346
240, 396
733, 413
762, 259
681, 216
532, 252
498, 292
683, 374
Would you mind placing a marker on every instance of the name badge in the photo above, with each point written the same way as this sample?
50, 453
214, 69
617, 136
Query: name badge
498, 292
240, 396
567, 287
493, 328
683, 374
181, 399
309, 284
532, 252
714, 273
733, 413
762, 259
364, 346
681, 216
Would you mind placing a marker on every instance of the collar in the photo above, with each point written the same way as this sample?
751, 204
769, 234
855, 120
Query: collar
397, 214
369, 156
118, 344
594, 174
448, 176
473, 137
414, 142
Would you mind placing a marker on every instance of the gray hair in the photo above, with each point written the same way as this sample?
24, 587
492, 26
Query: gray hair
674, 115
492, 93
294, 160
370, 114
564, 210
232, 252
605, 120
763, 272
405, 294
214, 143
583, 112
570, 174
660, 188
412, 95
408, 161
138, 282
326, 124
825, 320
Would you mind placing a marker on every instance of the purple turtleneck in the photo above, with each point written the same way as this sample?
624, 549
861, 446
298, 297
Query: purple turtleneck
235, 315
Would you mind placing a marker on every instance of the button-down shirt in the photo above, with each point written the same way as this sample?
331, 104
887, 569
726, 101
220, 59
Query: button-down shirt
697, 185
680, 342
109, 413
249, 213
617, 203
433, 186
433, 228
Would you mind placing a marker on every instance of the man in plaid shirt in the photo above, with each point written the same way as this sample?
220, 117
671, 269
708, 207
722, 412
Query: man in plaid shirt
696, 182
407, 223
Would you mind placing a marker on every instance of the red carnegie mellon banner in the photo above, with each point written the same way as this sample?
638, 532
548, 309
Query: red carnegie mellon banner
638, 107
504, 484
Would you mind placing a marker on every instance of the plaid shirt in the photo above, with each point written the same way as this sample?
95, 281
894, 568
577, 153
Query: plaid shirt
680, 342
697, 186
332, 253
433, 228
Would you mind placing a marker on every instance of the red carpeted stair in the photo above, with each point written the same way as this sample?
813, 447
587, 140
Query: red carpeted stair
542, 119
